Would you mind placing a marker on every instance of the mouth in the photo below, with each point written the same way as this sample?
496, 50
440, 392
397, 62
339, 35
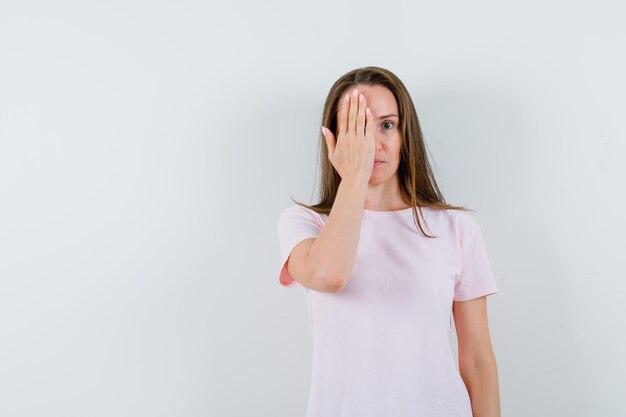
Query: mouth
377, 160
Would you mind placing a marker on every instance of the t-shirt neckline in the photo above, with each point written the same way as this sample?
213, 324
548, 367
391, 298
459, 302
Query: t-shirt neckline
379, 212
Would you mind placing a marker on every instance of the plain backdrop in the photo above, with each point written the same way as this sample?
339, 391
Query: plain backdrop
147, 148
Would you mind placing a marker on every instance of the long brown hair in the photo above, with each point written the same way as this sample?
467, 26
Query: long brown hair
416, 180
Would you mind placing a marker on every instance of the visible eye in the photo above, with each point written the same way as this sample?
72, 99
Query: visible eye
388, 123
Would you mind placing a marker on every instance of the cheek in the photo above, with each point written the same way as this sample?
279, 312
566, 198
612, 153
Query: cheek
397, 147
392, 142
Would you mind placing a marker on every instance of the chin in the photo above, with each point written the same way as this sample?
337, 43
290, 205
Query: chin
378, 179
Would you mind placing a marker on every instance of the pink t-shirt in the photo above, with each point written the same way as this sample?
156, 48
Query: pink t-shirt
381, 346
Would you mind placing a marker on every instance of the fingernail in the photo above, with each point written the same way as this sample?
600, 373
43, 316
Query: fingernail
361, 98
347, 97
355, 92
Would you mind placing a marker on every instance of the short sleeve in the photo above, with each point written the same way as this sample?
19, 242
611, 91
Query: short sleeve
476, 277
295, 224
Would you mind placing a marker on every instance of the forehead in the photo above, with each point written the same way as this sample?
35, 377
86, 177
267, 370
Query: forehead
379, 99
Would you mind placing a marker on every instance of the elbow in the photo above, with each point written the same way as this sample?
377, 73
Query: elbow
485, 360
335, 283
330, 282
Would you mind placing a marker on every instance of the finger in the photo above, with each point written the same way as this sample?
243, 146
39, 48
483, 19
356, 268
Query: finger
360, 121
353, 110
330, 141
369, 124
342, 114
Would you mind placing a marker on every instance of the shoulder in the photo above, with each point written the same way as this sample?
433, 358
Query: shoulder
295, 208
468, 229
298, 212
456, 219
465, 219
458, 224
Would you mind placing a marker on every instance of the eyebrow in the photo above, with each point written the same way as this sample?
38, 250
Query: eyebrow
389, 115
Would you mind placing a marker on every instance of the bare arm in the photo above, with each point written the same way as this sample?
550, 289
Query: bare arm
334, 250
328, 260
477, 362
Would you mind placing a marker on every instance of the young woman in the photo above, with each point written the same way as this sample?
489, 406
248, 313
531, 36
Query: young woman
381, 289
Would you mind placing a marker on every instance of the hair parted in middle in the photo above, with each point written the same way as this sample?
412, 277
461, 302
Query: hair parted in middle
417, 183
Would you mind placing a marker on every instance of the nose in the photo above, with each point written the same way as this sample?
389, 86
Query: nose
378, 141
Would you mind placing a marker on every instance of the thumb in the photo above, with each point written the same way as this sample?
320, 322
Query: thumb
330, 141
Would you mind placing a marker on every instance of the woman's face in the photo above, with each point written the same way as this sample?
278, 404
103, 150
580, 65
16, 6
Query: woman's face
387, 136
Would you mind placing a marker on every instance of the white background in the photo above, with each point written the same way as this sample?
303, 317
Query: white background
146, 149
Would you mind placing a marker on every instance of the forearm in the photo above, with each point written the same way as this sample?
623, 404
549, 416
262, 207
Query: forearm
334, 251
481, 380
